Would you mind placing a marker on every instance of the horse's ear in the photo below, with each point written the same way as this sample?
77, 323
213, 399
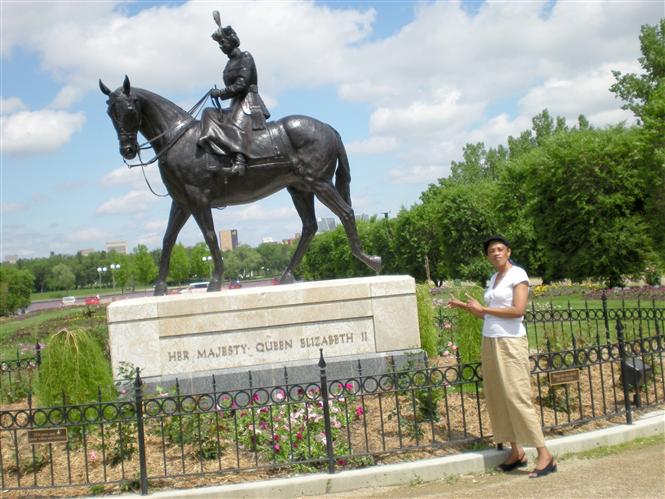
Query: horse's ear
105, 90
126, 86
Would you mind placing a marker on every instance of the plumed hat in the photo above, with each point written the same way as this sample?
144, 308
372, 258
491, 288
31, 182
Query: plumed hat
223, 32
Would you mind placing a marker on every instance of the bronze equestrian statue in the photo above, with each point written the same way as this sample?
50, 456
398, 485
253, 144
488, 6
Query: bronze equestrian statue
298, 153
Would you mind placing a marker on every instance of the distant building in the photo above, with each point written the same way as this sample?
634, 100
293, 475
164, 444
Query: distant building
11, 259
267, 240
292, 240
87, 251
117, 246
228, 239
325, 224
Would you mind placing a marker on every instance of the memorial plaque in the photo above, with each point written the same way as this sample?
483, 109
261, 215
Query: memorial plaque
564, 377
47, 435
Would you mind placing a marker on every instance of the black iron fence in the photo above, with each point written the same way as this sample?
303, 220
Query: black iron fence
327, 424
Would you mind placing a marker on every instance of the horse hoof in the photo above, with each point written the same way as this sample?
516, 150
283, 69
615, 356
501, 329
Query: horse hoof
287, 278
375, 263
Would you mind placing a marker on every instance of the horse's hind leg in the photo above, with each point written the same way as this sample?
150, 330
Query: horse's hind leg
177, 219
329, 196
203, 217
304, 203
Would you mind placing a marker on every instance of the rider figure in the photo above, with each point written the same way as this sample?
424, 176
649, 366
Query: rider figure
229, 130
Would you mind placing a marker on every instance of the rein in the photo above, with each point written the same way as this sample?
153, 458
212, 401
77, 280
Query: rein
179, 131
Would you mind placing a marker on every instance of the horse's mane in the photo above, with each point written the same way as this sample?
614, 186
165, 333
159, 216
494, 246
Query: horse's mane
165, 106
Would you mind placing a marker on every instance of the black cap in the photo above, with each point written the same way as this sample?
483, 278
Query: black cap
496, 238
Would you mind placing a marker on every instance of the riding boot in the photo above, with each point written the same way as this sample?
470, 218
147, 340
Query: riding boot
239, 164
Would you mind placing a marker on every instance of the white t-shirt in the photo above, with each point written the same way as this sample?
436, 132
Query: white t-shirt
501, 297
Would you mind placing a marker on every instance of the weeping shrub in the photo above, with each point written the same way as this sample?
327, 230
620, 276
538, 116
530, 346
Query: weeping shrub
73, 363
467, 328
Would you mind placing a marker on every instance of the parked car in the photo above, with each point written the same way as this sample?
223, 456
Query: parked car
92, 300
68, 300
235, 285
195, 287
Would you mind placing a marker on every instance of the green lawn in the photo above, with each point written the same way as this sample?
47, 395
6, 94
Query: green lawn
22, 332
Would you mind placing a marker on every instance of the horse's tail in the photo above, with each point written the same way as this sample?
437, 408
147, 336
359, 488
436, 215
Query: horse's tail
343, 173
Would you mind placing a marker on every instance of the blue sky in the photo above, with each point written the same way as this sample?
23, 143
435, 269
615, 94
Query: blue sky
406, 84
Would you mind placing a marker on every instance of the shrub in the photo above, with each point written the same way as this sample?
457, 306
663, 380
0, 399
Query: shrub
428, 332
466, 331
73, 363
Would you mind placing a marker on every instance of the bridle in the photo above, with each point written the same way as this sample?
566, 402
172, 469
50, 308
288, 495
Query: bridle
176, 133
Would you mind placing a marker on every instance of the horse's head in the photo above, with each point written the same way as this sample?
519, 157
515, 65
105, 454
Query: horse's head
125, 113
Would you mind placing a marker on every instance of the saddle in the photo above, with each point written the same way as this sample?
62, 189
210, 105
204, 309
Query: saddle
267, 148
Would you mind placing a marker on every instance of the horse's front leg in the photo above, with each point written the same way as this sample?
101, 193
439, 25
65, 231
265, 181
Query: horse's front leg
177, 219
203, 217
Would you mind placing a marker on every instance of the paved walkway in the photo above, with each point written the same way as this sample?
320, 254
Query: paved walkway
637, 472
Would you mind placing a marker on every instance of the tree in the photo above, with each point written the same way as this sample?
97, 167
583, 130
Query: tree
61, 277
274, 256
197, 266
145, 267
15, 288
179, 264
241, 262
644, 95
587, 204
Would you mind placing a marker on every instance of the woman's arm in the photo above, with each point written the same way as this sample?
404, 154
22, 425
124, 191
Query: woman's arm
455, 303
517, 309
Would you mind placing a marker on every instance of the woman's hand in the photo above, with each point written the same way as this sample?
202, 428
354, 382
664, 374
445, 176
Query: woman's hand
474, 306
455, 303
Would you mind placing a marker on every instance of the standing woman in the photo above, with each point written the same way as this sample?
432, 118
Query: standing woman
505, 360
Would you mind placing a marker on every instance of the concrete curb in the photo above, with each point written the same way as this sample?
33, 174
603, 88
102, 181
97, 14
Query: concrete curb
651, 424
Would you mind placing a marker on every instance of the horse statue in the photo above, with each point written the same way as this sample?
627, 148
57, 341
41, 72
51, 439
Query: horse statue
304, 155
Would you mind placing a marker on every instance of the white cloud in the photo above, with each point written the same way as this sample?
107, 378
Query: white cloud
67, 96
373, 145
258, 212
34, 132
85, 235
6, 208
587, 90
131, 203
133, 178
11, 105
417, 174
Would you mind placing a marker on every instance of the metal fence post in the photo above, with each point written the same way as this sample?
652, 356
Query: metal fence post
624, 382
326, 413
603, 297
138, 397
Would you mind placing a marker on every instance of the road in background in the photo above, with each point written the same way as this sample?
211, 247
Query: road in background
106, 299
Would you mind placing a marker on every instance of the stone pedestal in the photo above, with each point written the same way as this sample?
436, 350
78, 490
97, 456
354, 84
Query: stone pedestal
262, 329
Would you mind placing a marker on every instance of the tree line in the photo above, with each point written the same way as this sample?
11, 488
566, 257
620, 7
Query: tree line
576, 202
128, 271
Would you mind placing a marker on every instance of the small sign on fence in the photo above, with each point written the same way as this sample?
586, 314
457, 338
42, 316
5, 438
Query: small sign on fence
47, 435
564, 377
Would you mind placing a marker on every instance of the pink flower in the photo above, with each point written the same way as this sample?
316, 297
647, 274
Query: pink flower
446, 353
92, 457
349, 386
263, 425
255, 398
360, 411
276, 438
450, 344
454, 347
299, 435
276, 448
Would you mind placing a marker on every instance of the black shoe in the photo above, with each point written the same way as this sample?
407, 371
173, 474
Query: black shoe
239, 165
520, 463
550, 468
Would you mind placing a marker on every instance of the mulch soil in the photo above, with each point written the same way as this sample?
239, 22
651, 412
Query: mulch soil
384, 431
